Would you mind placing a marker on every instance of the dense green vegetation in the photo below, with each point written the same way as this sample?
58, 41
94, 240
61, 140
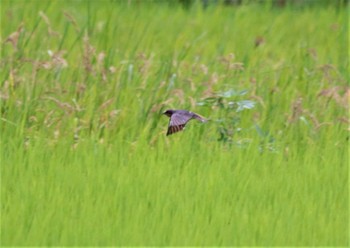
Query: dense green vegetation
84, 156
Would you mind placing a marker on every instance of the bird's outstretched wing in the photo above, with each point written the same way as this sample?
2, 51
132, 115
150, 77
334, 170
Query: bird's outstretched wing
177, 122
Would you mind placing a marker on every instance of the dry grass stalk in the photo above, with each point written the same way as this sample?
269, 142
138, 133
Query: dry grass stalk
4, 92
80, 89
57, 59
89, 52
145, 64
72, 21
253, 95
335, 93
179, 93
204, 69
48, 118
193, 102
13, 38
228, 61
100, 60
316, 122
209, 85
49, 28
330, 73
157, 107
106, 104
296, 109
312, 53
66, 107
14, 79
344, 119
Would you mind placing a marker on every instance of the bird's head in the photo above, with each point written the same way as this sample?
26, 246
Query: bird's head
169, 112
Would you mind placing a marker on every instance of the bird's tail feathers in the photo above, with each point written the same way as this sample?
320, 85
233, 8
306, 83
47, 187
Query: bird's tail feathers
200, 118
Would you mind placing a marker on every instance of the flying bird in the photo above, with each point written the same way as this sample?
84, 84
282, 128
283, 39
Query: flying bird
179, 118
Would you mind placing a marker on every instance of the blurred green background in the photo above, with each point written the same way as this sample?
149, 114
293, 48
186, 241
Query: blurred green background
84, 156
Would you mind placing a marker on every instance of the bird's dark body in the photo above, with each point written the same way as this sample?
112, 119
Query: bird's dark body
179, 118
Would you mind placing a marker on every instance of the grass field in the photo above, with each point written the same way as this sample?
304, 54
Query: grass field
84, 156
